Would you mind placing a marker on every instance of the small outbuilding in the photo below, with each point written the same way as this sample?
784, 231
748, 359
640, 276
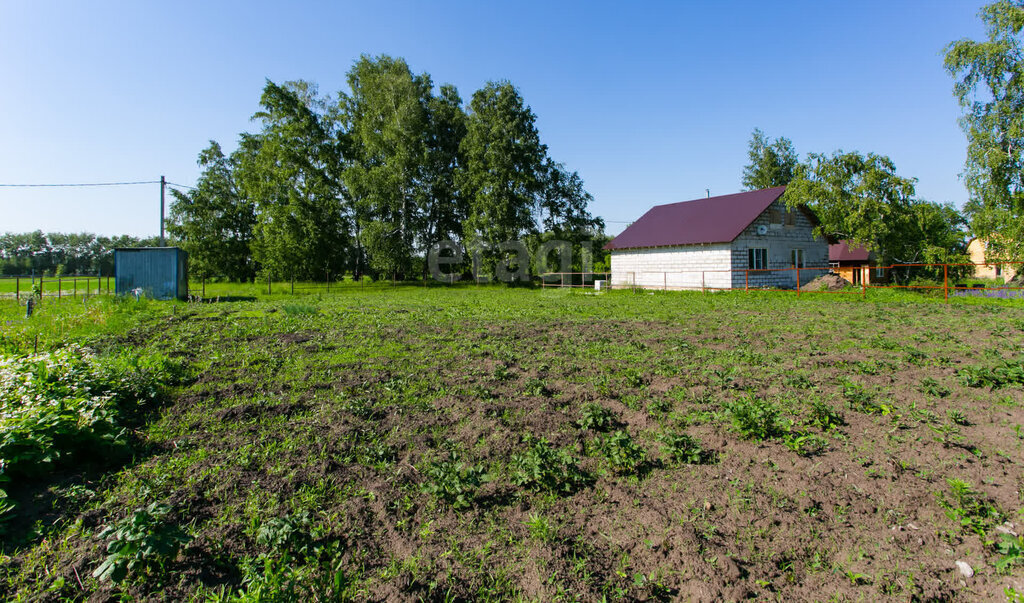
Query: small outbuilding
749, 239
158, 272
854, 263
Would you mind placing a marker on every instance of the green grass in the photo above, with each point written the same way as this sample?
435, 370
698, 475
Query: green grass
491, 443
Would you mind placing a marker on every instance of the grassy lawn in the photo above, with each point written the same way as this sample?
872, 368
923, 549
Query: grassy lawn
405, 443
68, 286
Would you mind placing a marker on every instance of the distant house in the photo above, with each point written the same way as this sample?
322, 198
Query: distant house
976, 248
747, 239
854, 263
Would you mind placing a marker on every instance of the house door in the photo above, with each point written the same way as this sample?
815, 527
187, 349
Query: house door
857, 275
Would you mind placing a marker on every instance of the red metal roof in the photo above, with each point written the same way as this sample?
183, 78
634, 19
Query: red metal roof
712, 220
841, 252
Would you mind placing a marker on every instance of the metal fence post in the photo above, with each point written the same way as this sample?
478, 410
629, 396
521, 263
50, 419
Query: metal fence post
40, 287
945, 280
74, 287
798, 280
703, 288
746, 280
665, 280
58, 287
17, 288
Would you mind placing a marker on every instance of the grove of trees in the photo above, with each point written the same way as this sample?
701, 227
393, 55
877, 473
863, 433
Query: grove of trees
368, 180
862, 199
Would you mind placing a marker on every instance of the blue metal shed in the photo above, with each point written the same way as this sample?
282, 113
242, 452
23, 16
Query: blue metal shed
160, 272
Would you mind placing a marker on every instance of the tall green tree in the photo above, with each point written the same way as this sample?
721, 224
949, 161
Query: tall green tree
862, 199
563, 204
504, 173
388, 113
291, 171
990, 88
772, 162
443, 206
214, 222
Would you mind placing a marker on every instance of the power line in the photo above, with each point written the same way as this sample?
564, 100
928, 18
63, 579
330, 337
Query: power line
181, 186
82, 184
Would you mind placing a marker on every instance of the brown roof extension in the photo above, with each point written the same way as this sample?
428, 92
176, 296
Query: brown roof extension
711, 220
841, 252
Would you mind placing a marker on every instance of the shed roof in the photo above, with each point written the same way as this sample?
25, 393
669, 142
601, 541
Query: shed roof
842, 252
711, 220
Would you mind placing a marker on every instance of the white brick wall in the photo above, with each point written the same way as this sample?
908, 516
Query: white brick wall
682, 267
674, 267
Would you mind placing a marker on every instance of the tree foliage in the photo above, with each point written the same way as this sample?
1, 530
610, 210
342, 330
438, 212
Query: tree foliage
214, 222
374, 179
990, 88
862, 199
504, 172
772, 163
290, 171
388, 119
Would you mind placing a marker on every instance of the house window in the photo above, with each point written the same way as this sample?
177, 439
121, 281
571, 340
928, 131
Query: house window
757, 259
798, 258
879, 272
790, 218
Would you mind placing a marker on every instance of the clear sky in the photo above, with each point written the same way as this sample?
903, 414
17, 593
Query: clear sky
649, 102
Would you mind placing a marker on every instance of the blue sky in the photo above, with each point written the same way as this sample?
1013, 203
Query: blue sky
649, 102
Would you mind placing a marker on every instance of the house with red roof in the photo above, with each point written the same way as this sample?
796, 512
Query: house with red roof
854, 263
750, 239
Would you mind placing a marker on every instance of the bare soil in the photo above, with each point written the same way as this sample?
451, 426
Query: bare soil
342, 417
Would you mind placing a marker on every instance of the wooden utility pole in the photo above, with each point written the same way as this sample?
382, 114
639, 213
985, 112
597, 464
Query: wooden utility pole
163, 187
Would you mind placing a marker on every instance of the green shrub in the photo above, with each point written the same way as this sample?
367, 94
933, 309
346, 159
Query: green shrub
546, 468
1011, 551
957, 416
969, 508
454, 482
933, 388
754, 418
824, 416
805, 444
863, 400
1005, 374
68, 403
596, 418
683, 448
536, 387
143, 540
623, 454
